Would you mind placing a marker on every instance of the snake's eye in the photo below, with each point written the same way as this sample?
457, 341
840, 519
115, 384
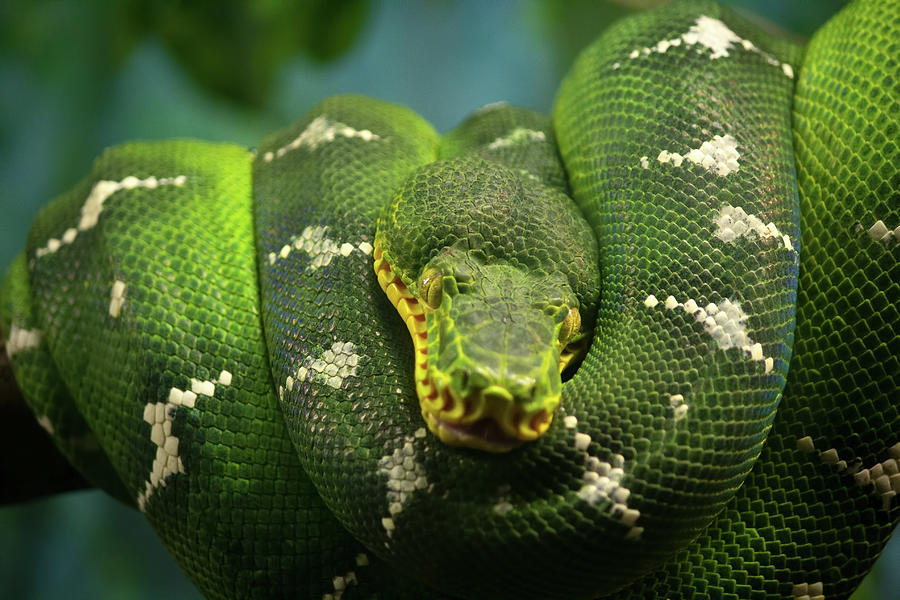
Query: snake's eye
431, 287
570, 326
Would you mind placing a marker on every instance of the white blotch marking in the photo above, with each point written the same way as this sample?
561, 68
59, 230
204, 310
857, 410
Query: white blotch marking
331, 368
645, 162
719, 155
806, 445
160, 416
117, 298
894, 451
673, 157
808, 591
93, 206
225, 377
829, 457
340, 582
321, 130
404, 474
491, 106
679, 406
711, 34
320, 248
879, 232
22, 339
519, 135
44, 422
787, 242
203, 388
733, 223
503, 504
601, 480
502, 507
883, 477
725, 322
582, 441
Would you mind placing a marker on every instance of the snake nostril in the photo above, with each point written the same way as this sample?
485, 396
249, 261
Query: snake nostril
469, 406
448, 400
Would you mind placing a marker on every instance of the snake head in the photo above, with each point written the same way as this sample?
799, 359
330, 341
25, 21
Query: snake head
494, 345
493, 312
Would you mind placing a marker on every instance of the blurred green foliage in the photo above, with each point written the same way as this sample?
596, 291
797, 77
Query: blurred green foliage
76, 77
230, 47
573, 23
233, 47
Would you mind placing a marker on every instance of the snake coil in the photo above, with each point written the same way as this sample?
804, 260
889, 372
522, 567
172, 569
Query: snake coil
211, 334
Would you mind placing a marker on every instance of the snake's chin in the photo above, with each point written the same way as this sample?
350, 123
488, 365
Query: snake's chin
484, 434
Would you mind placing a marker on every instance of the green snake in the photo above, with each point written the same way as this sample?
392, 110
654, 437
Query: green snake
531, 358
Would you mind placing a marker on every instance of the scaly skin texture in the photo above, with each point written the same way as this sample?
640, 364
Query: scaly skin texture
203, 332
517, 266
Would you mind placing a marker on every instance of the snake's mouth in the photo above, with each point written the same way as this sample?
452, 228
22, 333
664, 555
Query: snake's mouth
485, 419
483, 434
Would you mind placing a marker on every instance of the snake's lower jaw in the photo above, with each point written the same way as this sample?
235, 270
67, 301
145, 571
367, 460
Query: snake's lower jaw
489, 419
484, 434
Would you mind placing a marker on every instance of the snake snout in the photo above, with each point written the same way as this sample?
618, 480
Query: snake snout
479, 408
492, 418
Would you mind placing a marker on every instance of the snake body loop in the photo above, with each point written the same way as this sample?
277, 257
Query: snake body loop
645, 348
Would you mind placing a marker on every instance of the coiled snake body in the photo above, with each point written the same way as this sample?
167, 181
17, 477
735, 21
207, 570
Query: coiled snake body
212, 334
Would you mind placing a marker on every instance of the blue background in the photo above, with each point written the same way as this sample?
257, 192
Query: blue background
68, 89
